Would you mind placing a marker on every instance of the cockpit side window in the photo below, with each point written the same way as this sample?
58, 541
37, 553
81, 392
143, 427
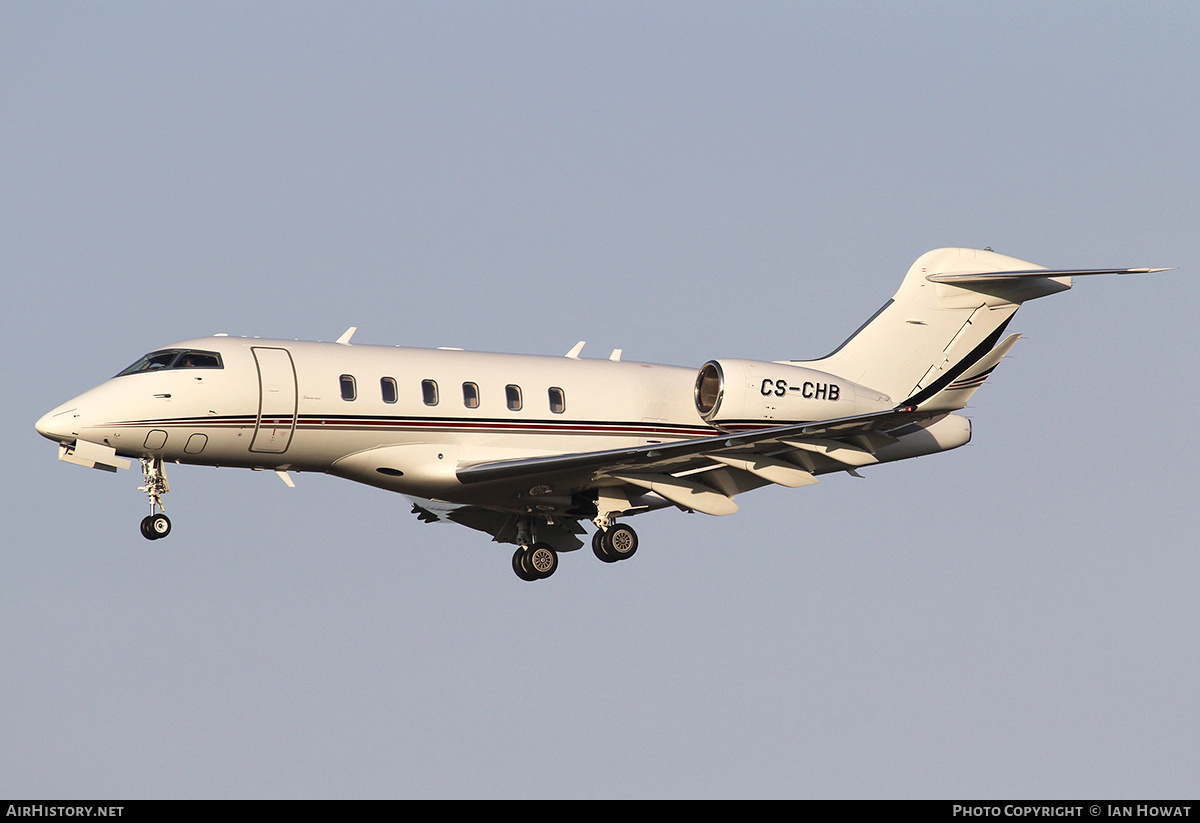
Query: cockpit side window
153, 361
174, 359
198, 360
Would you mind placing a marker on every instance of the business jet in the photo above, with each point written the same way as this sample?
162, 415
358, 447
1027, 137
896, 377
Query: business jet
528, 448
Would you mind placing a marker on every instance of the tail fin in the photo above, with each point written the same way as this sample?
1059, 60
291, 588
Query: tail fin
939, 336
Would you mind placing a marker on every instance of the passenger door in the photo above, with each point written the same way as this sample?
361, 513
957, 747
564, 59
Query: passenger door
276, 400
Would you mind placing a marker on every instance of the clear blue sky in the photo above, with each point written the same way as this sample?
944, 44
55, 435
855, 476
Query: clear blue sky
680, 180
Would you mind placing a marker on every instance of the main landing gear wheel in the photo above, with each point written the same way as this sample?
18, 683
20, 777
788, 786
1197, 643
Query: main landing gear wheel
616, 543
155, 526
598, 547
518, 564
621, 542
536, 562
542, 559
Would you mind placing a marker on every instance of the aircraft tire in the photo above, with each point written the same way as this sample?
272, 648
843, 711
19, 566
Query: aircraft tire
541, 560
620, 542
160, 524
599, 549
518, 564
155, 526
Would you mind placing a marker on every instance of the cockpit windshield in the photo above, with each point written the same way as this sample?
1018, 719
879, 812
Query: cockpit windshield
175, 359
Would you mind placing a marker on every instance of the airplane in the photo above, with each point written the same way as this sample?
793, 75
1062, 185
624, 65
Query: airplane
527, 448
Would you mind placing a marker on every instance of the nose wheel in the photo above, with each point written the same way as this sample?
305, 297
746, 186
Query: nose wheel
155, 525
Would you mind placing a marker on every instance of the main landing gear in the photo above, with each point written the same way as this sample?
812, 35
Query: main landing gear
537, 561
156, 524
617, 542
532, 560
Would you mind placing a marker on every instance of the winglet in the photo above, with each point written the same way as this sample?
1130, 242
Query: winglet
345, 338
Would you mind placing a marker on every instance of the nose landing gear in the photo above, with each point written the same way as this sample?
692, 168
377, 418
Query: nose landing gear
156, 524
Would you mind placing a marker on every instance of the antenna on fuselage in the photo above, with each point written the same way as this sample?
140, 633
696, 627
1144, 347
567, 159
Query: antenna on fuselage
345, 338
575, 350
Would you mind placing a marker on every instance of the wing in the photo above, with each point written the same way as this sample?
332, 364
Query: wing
704, 474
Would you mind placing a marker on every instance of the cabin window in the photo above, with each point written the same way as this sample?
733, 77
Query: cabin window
558, 400
513, 395
471, 395
349, 391
387, 387
429, 392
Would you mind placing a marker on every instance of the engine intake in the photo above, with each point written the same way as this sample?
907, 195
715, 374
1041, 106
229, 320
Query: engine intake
730, 393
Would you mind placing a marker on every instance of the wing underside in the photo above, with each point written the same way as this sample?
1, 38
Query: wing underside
559, 532
705, 474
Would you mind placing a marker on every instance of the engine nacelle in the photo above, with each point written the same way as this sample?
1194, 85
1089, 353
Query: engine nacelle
732, 392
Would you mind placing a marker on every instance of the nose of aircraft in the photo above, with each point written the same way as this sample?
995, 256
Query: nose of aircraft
59, 423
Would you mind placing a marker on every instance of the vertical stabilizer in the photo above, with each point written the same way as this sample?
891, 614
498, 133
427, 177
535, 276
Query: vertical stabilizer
948, 315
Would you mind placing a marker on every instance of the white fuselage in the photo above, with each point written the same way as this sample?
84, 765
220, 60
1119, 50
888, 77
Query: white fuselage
280, 405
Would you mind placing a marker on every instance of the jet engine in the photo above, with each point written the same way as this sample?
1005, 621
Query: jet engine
734, 392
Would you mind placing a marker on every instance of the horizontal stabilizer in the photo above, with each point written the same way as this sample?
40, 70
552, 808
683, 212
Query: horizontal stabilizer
961, 278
